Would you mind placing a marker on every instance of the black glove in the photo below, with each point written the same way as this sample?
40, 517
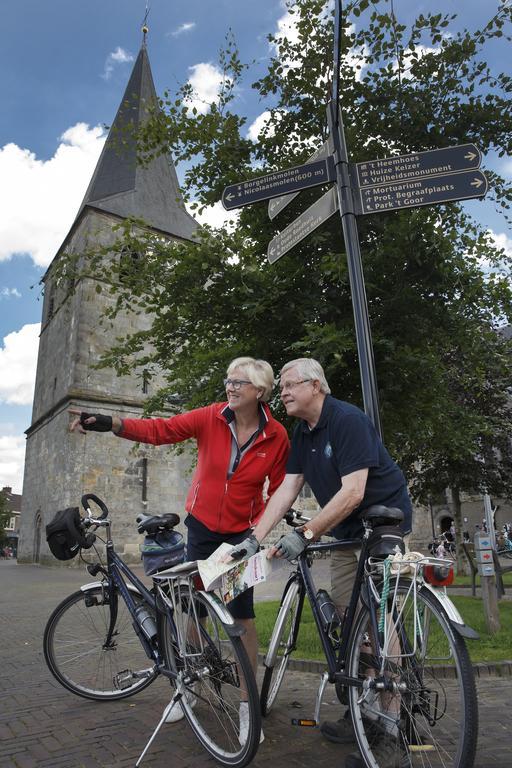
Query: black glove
291, 545
102, 423
246, 548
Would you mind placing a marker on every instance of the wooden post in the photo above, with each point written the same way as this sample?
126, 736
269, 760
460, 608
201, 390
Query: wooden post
485, 561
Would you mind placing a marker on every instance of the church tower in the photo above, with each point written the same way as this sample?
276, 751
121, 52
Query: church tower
61, 466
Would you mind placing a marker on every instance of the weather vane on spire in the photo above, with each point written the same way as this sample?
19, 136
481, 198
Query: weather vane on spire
145, 28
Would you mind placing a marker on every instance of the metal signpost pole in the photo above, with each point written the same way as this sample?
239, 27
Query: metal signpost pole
351, 238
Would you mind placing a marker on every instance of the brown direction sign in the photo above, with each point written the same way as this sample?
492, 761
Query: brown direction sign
274, 184
306, 223
418, 192
278, 204
434, 162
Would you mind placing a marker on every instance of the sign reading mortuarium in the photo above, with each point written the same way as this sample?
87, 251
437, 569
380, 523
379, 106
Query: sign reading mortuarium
376, 186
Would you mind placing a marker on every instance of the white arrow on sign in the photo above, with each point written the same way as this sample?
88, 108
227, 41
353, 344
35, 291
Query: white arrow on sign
470, 156
477, 183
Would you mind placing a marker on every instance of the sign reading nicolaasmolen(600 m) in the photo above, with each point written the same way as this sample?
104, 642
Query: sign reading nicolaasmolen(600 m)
279, 183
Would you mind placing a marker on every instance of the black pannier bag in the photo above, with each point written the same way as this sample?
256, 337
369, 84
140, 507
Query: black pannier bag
161, 551
384, 540
64, 534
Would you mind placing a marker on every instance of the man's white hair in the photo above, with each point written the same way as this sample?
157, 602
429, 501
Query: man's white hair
308, 368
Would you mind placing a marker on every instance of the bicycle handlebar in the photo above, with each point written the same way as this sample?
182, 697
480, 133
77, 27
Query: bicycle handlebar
101, 504
295, 519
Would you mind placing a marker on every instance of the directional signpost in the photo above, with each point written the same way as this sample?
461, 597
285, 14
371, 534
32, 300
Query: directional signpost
275, 184
435, 162
308, 221
278, 204
418, 192
376, 186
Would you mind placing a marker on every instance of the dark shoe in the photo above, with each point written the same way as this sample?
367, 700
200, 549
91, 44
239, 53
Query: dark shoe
339, 731
388, 753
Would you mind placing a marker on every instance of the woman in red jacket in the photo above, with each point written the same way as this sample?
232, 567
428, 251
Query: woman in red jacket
240, 445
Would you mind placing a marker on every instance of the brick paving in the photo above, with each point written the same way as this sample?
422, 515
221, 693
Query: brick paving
44, 726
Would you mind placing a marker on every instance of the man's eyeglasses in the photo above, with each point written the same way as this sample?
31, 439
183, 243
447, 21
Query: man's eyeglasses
288, 385
235, 384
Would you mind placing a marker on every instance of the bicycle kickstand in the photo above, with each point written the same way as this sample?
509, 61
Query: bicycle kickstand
173, 702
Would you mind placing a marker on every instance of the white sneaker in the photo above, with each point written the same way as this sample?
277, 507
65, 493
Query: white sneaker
176, 714
244, 723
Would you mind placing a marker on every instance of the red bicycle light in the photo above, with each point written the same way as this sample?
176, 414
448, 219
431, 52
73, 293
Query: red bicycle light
439, 575
198, 582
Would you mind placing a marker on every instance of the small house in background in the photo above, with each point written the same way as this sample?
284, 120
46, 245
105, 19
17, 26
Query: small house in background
11, 530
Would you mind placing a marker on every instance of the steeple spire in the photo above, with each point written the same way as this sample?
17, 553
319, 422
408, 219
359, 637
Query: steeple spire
120, 185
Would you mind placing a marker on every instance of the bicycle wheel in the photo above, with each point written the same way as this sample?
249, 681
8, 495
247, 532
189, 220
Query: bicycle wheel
427, 715
76, 654
281, 645
215, 676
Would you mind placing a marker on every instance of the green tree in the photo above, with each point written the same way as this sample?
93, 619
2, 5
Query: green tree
442, 369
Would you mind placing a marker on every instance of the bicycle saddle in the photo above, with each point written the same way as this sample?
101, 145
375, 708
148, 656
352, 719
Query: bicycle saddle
154, 523
378, 514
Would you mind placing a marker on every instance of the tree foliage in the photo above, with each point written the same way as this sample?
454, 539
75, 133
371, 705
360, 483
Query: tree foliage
436, 283
5, 516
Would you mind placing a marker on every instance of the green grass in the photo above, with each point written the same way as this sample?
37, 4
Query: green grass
488, 648
466, 580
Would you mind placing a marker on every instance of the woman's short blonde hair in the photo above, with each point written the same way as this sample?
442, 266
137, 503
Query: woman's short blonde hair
308, 368
258, 372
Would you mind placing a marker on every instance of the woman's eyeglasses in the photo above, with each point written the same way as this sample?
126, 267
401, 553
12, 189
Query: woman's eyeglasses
235, 384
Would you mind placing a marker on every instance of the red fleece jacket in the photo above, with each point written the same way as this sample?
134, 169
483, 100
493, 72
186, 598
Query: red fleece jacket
222, 505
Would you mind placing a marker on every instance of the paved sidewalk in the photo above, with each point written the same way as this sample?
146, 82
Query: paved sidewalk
44, 726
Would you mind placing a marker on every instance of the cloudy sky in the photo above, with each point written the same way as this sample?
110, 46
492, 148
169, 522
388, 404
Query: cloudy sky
64, 65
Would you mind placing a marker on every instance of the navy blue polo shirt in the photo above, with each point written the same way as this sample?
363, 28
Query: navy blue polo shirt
343, 441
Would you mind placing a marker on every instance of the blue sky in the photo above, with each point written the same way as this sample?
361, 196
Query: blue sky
64, 65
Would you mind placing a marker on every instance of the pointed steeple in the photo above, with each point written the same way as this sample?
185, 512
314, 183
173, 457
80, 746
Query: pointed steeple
123, 187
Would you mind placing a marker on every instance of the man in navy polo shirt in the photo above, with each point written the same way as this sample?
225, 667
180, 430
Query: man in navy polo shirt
336, 450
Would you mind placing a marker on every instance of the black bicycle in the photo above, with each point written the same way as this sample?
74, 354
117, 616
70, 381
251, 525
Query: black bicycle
113, 637
398, 658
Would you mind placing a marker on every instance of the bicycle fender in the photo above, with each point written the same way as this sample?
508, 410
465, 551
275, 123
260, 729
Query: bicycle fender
270, 657
454, 616
232, 627
95, 584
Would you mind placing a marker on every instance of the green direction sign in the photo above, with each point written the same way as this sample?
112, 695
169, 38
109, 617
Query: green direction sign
278, 204
418, 192
435, 162
306, 223
275, 184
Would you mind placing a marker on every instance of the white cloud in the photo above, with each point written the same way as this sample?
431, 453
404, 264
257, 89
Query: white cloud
12, 459
186, 27
6, 293
207, 81
40, 198
258, 125
215, 215
502, 241
119, 56
18, 361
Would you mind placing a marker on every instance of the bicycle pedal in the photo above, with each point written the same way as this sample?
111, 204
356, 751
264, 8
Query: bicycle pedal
304, 721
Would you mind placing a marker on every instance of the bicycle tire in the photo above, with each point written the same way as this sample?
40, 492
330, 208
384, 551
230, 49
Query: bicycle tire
74, 651
281, 645
434, 718
222, 677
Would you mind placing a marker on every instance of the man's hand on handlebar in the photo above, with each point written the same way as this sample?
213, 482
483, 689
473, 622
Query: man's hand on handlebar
92, 422
289, 546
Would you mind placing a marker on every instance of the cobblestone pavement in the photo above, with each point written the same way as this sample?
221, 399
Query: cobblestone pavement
43, 725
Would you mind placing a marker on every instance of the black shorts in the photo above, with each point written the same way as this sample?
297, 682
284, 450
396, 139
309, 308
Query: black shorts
201, 543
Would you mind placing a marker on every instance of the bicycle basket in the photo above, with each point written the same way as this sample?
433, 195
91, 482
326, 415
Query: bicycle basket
384, 540
163, 550
64, 534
